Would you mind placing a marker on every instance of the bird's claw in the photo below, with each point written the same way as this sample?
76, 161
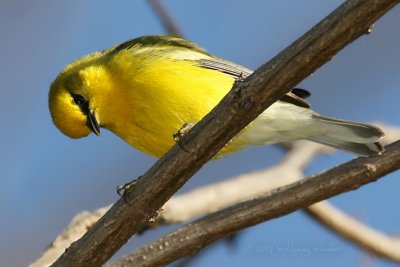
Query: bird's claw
181, 133
121, 189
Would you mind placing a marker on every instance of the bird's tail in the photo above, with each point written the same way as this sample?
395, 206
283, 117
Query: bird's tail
354, 137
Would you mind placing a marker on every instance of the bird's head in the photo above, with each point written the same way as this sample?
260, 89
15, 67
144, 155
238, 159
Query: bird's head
72, 98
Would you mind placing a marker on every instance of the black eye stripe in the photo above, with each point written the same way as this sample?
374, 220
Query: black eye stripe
79, 100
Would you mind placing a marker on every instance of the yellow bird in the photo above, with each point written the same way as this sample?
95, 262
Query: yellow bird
145, 89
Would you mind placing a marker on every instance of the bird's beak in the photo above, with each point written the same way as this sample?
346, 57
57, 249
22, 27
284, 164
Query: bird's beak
92, 123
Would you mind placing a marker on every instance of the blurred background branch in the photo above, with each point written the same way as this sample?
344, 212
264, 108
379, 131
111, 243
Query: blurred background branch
166, 20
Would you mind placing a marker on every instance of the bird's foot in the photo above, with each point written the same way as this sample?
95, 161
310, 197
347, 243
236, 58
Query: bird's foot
178, 136
121, 189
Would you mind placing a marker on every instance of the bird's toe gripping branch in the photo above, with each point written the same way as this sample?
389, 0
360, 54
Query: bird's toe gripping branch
121, 189
181, 133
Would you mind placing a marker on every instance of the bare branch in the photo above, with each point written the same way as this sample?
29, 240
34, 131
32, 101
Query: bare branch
207, 199
243, 103
213, 197
190, 238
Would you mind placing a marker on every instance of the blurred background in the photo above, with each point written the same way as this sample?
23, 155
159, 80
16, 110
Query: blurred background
46, 178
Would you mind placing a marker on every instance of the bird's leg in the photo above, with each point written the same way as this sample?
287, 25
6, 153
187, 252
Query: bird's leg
121, 189
238, 80
178, 136
182, 131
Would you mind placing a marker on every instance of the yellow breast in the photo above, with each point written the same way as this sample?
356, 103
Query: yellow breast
156, 98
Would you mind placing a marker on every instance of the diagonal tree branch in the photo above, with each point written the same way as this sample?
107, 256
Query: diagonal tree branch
192, 237
243, 103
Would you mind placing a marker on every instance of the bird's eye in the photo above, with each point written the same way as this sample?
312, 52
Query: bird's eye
78, 99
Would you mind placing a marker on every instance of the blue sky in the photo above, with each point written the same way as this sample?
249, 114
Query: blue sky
46, 178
